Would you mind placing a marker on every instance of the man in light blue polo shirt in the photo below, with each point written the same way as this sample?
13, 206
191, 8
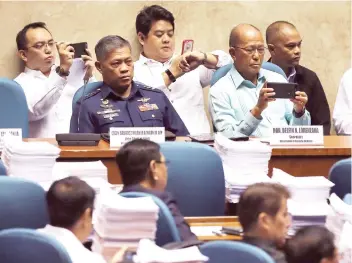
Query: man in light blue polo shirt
241, 103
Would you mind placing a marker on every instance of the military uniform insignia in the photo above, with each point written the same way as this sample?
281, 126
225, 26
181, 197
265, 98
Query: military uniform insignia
144, 100
110, 116
107, 111
148, 107
105, 102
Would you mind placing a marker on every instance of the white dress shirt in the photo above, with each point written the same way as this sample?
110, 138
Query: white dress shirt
186, 93
342, 115
78, 253
49, 100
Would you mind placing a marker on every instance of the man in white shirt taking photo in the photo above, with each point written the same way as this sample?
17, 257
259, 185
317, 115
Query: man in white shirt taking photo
49, 89
180, 77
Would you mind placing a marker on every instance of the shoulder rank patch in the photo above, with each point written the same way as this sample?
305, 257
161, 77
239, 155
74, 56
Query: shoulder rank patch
91, 94
144, 87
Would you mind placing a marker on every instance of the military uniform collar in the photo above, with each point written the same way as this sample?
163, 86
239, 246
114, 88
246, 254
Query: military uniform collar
107, 91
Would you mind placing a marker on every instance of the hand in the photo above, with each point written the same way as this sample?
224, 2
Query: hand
66, 53
300, 101
265, 96
88, 65
175, 67
191, 60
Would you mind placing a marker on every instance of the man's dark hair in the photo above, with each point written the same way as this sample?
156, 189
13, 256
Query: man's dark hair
133, 160
310, 245
21, 38
260, 198
274, 28
67, 200
151, 14
109, 43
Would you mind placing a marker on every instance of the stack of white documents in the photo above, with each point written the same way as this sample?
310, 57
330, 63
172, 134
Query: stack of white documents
30, 160
308, 204
148, 252
244, 163
121, 221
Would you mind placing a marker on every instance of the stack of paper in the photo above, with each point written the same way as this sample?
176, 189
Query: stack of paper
123, 221
244, 163
308, 204
148, 252
31, 160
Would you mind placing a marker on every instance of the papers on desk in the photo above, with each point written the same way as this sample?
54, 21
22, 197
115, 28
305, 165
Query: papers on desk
244, 163
30, 160
148, 252
122, 221
308, 204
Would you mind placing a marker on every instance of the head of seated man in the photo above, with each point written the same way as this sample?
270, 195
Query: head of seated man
36, 47
155, 28
312, 244
143, 168
262, 212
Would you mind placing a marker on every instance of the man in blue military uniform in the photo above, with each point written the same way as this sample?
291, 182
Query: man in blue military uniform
121, 102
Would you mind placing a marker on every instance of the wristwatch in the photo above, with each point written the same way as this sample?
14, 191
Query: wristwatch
61, 72
170, 75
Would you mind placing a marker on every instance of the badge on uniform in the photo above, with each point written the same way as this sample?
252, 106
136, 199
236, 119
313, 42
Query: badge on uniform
108, 111
148, 107
110, 116
105, 104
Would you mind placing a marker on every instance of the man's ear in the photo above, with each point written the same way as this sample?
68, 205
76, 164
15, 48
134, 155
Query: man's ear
271, 48
98, 66
22, 55
141, 38
263, 221
232, 53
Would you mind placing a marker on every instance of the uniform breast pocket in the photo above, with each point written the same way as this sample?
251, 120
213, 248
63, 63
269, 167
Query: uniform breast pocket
152, 118
107, 121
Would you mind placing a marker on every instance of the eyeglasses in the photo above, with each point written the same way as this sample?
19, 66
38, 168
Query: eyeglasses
251, 50
42, 45
165, 162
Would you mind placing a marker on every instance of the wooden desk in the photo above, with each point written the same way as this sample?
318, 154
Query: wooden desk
298, 161
223, 221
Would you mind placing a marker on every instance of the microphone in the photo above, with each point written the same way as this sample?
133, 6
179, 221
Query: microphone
81, 102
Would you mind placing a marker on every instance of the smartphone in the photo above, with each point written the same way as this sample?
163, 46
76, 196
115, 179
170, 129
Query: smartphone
187, 45
80, 49
283, 90
205, 138
234, 231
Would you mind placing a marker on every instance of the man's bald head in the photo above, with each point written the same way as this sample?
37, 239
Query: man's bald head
275, 29
238, 33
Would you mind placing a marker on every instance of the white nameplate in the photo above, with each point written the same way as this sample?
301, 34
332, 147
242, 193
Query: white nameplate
15, 134
119, 136
297, 135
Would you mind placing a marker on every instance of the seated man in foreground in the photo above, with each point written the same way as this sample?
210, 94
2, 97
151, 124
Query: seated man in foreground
241, 103
121, 102
262, 212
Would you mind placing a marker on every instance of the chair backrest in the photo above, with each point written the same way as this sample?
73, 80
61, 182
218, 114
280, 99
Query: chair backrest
340, 175
2, 168
167, 231
90, 87
273, 67
22, 204
348, 199
27, 245
13, 102
221, 72
229, 252
195, 178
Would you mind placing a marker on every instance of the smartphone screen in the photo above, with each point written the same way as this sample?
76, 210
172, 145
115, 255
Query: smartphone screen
80, 49
283, 90
187, 46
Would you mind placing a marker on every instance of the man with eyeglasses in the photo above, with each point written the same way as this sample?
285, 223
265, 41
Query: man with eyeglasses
284, 43
49, 88
241, 103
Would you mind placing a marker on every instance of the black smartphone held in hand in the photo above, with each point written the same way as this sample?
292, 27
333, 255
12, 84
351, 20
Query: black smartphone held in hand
80, 49
283, 90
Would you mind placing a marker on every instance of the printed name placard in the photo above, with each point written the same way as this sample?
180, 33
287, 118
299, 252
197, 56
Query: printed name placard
16, 134
297, 135
119, 136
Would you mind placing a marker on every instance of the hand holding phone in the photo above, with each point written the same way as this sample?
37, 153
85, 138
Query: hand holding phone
187, 46
80, 49
283, 90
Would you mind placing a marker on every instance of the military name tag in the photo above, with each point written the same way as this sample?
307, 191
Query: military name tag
107, 111
110, 116
297, 135
11, 134
120, 136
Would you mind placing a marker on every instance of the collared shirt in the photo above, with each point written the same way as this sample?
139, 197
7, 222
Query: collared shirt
342, 115
144, 107
269, 247
291, 77
186, 93
78, 253
232, 98
49, 99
